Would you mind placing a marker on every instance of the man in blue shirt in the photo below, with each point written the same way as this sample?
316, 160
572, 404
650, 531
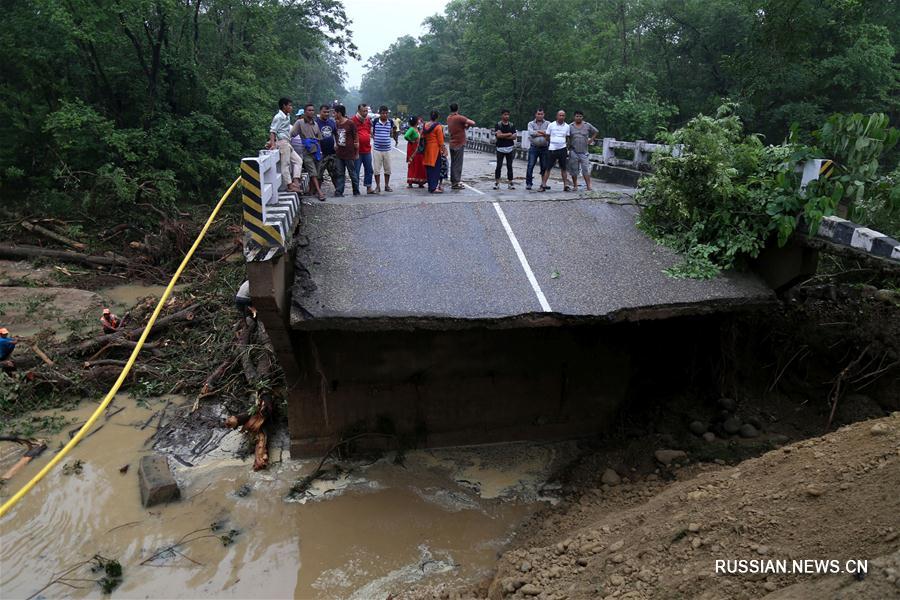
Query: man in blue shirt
327, 126
7, 344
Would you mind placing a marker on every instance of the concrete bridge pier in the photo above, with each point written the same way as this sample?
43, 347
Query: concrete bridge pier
432, 388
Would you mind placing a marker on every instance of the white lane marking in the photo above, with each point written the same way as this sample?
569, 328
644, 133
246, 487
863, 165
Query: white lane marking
515, 244
524, 261
473, 189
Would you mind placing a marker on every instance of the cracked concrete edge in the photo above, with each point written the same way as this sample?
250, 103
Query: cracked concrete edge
846, 233
303, 320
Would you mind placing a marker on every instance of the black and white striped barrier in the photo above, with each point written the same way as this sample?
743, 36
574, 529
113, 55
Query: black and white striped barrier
270, 212
846, 233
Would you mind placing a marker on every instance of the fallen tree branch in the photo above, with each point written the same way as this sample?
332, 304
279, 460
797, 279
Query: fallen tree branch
34, 228
126, 338
20, 251
40, 354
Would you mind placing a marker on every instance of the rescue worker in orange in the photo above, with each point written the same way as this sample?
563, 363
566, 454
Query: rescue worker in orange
109, 321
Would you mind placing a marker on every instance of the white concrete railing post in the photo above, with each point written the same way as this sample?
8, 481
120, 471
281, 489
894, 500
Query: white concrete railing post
607, 150
639, 155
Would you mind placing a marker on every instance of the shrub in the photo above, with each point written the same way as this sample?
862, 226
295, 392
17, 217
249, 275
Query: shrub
724, 197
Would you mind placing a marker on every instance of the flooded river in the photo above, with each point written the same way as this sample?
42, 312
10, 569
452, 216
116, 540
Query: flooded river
376, 529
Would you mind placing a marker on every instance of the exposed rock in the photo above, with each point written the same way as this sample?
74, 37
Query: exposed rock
814, 490
525, 566
889, 296
694, 527
616, 546
880, 429
667, 456
731, 425
697, 427
610, 477
529, 589
727, 403
748, 431
709, 436
616, 580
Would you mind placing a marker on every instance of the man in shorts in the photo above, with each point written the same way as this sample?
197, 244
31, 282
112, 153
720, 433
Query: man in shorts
558, 133
306, 134
582, 136
383, 131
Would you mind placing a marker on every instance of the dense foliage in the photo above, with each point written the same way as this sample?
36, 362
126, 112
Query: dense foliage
105, 103
636, 65
726, 195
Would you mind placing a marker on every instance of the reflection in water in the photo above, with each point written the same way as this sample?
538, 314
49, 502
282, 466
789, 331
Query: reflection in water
391, 527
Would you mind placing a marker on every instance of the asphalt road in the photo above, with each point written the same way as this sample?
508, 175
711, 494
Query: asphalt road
483, 256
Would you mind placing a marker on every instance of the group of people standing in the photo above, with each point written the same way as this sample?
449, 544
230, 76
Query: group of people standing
330, 142
360, 147
426, 150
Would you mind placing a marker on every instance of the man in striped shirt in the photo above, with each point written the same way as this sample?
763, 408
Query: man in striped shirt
383, 131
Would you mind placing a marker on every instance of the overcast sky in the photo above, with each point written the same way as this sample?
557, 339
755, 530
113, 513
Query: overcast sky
378, 23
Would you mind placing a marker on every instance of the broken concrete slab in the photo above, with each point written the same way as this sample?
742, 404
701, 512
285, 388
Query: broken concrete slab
156, 481
453, 265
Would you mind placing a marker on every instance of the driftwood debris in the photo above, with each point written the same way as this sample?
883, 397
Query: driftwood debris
35, 228
23, 251
126, 338
255, 371
40, 354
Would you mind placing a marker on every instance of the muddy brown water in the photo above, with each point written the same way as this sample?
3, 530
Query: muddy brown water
123, 297
442, 517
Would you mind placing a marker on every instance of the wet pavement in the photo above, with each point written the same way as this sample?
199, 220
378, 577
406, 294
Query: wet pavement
482, 254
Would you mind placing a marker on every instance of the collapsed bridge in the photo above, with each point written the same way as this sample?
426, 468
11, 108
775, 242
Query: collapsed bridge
475, 316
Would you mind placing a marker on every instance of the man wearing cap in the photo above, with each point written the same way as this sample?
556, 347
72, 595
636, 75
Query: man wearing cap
109, 321
7, 344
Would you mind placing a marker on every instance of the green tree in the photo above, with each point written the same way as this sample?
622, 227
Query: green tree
152, 100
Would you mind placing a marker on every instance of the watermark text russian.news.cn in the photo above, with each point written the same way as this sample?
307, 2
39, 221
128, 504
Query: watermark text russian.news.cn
810, 566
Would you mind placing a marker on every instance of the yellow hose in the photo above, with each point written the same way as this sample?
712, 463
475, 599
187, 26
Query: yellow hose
118, 384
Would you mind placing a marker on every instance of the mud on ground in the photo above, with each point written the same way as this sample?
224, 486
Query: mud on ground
831, 497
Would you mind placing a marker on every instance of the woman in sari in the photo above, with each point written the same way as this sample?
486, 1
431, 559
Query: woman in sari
415, 172
434, 149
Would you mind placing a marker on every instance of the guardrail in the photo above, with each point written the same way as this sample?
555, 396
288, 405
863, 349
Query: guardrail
482, 138
270, 212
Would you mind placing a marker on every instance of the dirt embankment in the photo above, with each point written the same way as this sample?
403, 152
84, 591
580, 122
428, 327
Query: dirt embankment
833, 497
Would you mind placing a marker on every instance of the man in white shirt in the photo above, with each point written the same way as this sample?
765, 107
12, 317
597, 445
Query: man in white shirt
558, 133
280, 137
